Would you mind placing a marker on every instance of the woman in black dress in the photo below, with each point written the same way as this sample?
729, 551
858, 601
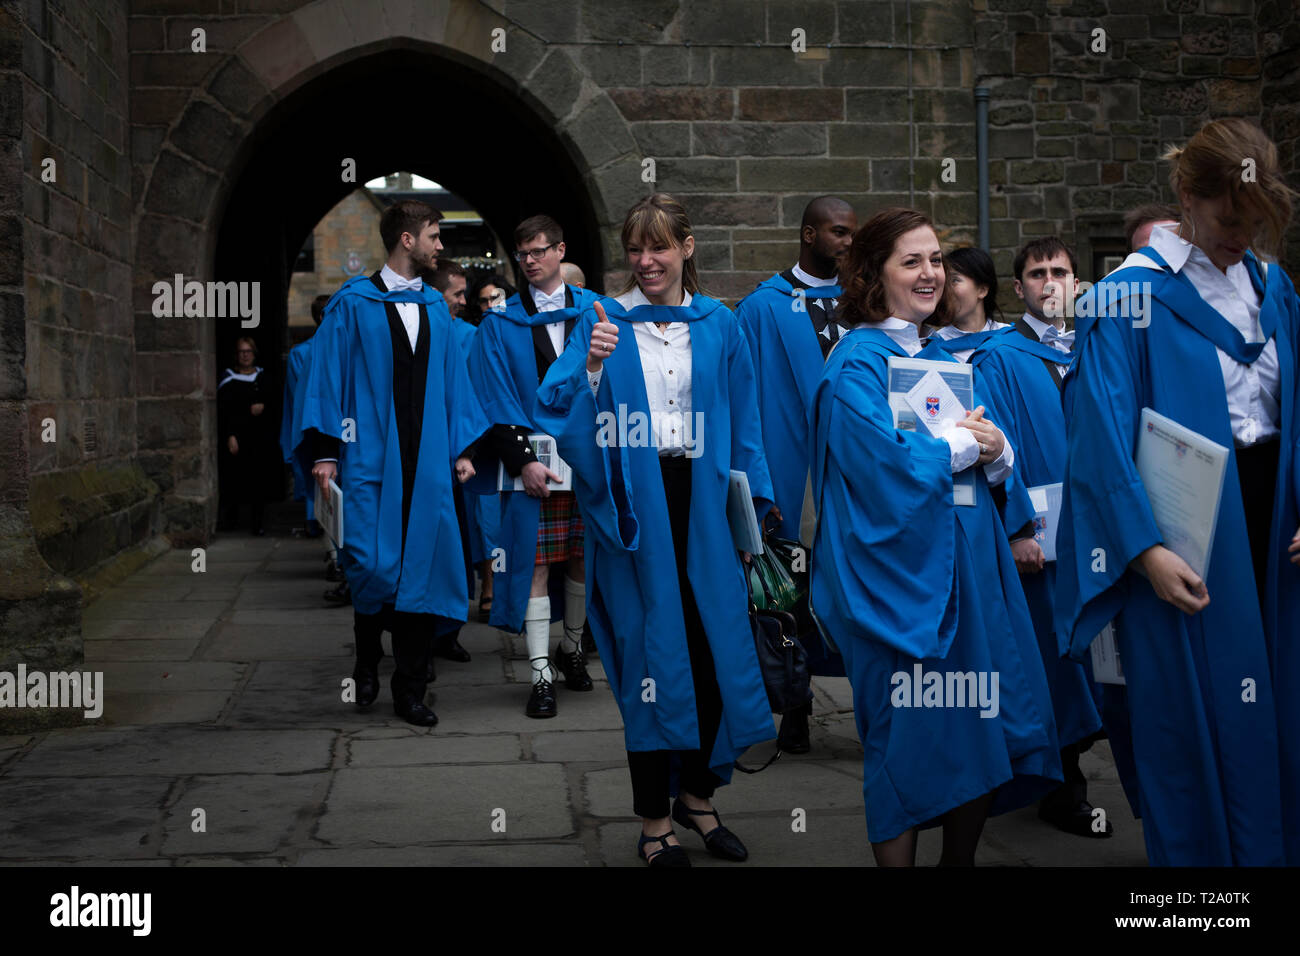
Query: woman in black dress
246, 460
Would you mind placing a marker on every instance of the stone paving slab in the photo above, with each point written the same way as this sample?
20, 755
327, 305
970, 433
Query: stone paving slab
174, 751
250, 642
242, 813
134, 708
421, 750
143, 630
78, 819
154, 648
171, 677
399, 806
580, 746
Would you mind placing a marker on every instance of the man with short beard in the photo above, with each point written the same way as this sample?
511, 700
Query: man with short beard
791, 326
388, 406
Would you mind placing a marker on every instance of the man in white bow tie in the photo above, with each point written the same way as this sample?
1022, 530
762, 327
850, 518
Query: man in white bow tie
386, 408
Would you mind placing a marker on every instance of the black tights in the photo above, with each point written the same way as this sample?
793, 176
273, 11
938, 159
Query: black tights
962, 827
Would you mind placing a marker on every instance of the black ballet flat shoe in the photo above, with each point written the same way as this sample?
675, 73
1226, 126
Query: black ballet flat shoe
1078, 820
669, 855
367, 682
340, 596
414, 712
719, 841
541, 702
451, 649
793, 734
574, 668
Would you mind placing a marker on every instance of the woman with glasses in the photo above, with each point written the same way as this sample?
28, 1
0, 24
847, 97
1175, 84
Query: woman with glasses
247, 465
653, 405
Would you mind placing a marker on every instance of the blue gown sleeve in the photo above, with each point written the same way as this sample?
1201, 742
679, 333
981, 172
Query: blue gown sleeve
324, 398
567, 409
886, 537
1106, 518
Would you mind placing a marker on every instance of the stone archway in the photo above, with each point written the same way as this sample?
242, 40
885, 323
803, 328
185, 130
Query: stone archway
208, 168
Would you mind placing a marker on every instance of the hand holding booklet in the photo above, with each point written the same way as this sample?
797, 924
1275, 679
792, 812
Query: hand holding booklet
1182, 472
329, 512
544, 448
930, 397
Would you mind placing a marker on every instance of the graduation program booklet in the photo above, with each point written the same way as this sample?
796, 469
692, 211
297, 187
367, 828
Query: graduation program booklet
952, 381
745, 534
1182, 472
1106, 667
329, 513
544, 449
1046, 500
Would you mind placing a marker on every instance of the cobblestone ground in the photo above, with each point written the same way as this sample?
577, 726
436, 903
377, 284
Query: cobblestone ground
222, 695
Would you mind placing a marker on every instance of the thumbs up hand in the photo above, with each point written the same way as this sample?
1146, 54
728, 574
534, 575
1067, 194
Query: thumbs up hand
604, 339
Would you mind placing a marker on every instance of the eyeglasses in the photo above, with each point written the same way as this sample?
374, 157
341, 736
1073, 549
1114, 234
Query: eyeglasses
535, 254
245, 352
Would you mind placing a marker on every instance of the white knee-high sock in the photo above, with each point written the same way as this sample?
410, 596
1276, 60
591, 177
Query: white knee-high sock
575, 613
537, 636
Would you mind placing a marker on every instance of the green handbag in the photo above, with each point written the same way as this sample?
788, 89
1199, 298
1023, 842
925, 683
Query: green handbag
771, 586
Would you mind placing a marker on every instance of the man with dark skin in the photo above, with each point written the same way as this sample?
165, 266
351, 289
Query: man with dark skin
789, 351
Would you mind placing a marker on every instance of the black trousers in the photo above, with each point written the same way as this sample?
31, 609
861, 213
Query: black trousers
1257, 472
651, 769
412, 648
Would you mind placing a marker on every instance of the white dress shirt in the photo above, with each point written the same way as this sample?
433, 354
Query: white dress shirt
408, 312
550, 303
963, 445
666, 363
1254, 390
948, 332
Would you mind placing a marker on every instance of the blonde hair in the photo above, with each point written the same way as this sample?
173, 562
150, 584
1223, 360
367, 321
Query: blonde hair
661, 219
1213, 164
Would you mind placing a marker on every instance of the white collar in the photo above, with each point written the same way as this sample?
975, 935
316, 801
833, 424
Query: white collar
631, 299
811, 280
391, 278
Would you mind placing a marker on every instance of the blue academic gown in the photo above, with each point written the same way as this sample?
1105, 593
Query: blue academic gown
633, 602
482, 512
905, 577
1024, 401
1219, 776
503, 368
304, 488
351, 380
787, 365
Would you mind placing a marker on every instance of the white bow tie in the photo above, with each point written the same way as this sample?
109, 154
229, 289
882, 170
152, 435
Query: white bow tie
1053, 335
556, 299
399, 284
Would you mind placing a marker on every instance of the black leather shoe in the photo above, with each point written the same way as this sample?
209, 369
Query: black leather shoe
793, 735
451, 649
719, 841
414, 712
367, 686
668, 855
574, 668
1078, 820
340, 596
541, 703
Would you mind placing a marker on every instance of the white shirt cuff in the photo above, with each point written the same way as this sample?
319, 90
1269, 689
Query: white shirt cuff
997, 470
319, 460
964, 448
593, 379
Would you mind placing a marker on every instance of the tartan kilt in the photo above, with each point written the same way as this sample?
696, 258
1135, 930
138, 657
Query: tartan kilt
559, 529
